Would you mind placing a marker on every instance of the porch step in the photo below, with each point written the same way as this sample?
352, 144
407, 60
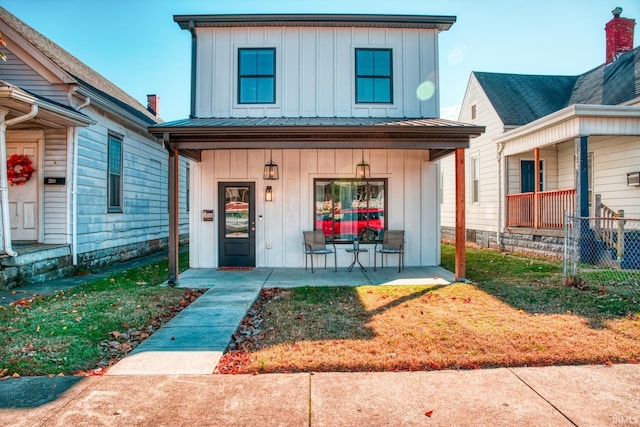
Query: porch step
35, 264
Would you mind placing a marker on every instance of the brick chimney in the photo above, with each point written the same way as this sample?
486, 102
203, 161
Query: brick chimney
619, 33
153, 104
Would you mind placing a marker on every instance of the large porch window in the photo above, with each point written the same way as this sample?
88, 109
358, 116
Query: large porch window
346, 209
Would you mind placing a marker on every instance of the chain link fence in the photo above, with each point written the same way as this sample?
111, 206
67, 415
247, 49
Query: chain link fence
603, 254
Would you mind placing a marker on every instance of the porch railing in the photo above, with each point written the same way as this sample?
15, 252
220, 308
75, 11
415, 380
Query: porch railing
540, 210
609, 226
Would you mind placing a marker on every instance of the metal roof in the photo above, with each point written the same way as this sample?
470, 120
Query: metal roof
434, 22
191, 136
310, 121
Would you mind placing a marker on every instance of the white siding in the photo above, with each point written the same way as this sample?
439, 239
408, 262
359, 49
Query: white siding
145, 204
14, 70
55, 196
293, 208
482, 215
613, 158
315, 71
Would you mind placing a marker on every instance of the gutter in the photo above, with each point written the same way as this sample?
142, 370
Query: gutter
4, 182
74, 181
194, 54
115, 109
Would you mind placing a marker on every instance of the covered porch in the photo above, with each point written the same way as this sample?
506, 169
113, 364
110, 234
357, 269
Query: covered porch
312, 149
547, 167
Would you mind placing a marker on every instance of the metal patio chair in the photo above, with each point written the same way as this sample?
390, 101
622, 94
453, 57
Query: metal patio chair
316, 244
392, 243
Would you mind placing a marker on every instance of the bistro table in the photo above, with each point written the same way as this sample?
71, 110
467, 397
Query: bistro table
356, 254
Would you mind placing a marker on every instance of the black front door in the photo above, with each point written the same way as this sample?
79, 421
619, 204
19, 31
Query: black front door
237, 224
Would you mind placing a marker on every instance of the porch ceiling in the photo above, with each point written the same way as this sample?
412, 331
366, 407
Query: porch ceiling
437, 135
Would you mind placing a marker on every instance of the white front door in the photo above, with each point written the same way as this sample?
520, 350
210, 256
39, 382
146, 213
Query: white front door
23, 198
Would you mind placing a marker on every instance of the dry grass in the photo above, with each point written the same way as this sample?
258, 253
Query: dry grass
530, 322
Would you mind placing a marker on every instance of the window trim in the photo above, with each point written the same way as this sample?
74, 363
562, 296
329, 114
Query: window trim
187, 187
390, 78
115, 208
475, 190
239, 76
385, 184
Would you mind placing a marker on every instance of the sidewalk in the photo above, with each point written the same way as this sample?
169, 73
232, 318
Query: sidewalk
552, 396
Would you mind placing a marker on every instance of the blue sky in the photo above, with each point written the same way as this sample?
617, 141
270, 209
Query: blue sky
136, 44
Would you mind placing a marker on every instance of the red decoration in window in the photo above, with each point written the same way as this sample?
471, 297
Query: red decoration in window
19, 169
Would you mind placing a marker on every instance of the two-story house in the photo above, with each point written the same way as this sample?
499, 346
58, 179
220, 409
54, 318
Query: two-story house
82, 181
303, 122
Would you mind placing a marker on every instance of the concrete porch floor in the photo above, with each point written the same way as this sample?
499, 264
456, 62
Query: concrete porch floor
271, 277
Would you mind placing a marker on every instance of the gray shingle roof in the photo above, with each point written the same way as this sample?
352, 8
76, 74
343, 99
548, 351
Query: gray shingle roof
86, 76
520, 98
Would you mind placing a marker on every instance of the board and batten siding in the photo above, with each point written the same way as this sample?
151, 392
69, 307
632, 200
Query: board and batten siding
145, 205
315, 71
410, 207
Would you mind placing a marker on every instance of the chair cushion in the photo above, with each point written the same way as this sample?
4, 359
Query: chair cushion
388, 251
320, 251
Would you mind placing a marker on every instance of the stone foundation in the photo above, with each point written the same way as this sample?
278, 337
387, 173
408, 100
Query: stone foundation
540, 243
40, 263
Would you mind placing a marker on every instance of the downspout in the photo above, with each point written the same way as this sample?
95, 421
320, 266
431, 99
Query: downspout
499, 216
194, 53
74, 182
4, 182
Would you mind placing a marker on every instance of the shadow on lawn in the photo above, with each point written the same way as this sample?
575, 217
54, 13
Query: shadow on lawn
596, 307
315, 314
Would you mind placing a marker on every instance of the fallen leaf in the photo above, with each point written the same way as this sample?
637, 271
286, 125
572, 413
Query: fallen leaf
429, 413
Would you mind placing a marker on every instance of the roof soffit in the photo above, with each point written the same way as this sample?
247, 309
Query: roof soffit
433, 22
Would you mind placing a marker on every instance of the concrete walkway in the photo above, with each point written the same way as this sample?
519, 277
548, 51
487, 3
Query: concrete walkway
193, 341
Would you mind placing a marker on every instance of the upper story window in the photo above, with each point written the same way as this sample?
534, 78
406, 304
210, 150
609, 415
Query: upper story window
114, 173
374, 76
257, 76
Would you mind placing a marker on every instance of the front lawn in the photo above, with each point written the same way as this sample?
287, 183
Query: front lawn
90, 327
517, 313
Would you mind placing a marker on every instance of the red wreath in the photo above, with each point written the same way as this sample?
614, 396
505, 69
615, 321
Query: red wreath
19, 169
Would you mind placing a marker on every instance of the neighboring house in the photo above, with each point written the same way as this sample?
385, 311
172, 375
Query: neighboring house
540, 130
346, 106
98, 192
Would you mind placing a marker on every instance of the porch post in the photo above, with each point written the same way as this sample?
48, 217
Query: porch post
582, 184
460, 216
173, 216
536, 188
